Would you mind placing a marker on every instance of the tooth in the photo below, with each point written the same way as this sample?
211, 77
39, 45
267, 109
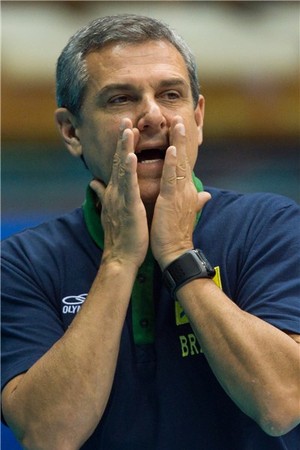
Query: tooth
149, 161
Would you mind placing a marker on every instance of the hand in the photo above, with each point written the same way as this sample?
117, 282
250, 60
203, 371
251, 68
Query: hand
178, 202
123, 214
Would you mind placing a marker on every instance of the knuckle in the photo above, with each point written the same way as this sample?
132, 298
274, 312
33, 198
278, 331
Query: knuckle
116, 159
122, 170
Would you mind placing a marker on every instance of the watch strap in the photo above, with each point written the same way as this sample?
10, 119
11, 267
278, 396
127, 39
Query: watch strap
189, 266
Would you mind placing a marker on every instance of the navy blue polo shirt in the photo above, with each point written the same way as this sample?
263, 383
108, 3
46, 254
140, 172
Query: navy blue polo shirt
164, 395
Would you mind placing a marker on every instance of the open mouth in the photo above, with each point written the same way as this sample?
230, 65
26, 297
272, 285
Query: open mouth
150, 155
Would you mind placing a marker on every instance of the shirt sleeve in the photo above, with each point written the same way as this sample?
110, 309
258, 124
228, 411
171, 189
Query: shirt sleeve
31, 321
268, 281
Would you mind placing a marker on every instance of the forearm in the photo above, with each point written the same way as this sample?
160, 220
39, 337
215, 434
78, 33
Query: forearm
60, 400
256, 364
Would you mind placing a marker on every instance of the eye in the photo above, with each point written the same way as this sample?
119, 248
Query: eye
171, 95
119, 99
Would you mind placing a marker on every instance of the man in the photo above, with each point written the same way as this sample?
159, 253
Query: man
118, 333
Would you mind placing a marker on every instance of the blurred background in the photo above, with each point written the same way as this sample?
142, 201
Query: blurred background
248, 59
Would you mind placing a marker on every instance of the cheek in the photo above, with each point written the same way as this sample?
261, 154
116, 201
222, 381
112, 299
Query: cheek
98, 154
192, 157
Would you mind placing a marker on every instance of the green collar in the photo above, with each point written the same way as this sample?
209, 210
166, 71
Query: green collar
92, 217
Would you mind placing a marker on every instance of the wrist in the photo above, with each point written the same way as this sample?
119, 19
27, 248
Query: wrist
117, 264
167, 260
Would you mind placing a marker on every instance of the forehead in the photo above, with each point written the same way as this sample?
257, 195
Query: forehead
147, 59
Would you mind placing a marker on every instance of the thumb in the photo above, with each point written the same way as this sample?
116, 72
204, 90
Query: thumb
203, 198
99, 188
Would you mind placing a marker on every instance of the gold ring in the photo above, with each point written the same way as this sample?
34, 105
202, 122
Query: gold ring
180, 178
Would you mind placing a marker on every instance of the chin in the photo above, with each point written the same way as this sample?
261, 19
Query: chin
150, 191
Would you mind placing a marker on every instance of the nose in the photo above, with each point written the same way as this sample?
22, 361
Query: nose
151, 116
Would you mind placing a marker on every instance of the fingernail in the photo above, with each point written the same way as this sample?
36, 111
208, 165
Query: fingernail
122, 125
173, 150
92, 185
124, 135
181, 129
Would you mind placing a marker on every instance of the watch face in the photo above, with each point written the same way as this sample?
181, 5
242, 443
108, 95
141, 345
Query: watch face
210, 270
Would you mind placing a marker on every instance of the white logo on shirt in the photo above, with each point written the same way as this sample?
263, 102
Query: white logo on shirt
73, 303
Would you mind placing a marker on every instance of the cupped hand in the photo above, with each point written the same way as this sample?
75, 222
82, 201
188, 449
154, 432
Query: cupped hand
123, 214
178, 202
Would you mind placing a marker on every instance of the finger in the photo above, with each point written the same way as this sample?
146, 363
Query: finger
168, 178
131, 186
127, 147
178, 139
176, 119
136, 134
99, 188
203, 198
124, 146
127, 180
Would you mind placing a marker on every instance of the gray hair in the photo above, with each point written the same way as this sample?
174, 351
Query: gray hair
71, 71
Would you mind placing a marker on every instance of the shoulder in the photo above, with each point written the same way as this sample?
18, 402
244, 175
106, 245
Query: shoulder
250, 200
47, 237
239, 221
39, 260
258, 207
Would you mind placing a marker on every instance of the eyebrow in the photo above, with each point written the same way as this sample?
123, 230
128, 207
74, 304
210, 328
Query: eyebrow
115, 87
173, 82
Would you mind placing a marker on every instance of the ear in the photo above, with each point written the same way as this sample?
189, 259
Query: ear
199, 117
67, 125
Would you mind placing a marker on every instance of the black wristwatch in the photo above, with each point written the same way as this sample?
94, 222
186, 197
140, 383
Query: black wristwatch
187, 267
